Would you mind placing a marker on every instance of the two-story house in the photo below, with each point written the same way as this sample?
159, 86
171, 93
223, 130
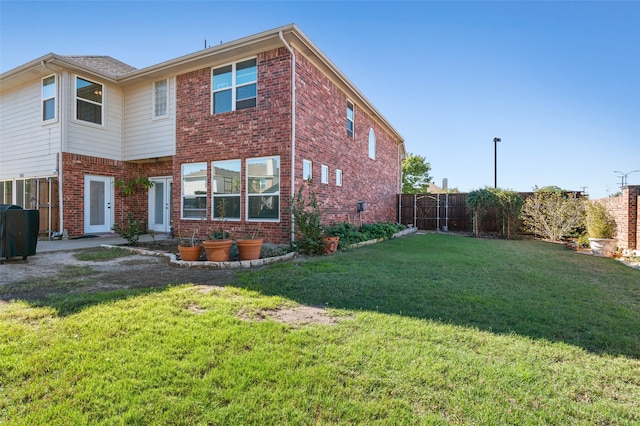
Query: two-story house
240, 125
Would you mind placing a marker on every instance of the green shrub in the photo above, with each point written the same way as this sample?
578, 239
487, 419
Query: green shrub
130, 230
600, 223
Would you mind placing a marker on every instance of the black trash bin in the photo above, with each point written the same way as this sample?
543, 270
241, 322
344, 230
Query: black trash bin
18, 231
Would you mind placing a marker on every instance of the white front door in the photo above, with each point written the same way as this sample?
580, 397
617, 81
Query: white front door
98, 199
160, 204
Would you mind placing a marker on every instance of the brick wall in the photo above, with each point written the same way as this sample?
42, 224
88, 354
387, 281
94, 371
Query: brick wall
266, 131
254, 132
321, 137
625, 209
75, 167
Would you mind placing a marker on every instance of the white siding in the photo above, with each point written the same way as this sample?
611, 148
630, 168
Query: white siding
146, 137
90, 139
28, 147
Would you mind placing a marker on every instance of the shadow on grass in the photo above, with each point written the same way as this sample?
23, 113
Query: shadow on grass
530, 288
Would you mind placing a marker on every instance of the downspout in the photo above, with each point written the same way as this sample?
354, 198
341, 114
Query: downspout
293, 124
62, 122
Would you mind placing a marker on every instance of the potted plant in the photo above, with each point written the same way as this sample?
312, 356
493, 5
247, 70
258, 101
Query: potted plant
189, 248
601, 228
330, 244
218, 245
249, 248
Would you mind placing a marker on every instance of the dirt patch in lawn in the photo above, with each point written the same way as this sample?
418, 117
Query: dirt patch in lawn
61, 272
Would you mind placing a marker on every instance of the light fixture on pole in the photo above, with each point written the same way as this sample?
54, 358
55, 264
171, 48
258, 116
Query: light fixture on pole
495, 161
624, 176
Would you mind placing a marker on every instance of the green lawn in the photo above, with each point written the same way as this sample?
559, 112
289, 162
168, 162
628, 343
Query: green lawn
431, 329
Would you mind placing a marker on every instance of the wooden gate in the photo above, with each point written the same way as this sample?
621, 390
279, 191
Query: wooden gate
433, 212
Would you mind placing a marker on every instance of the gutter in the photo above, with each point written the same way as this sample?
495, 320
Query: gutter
59, 154
293, 124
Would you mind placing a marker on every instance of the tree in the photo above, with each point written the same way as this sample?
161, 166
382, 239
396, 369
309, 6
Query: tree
510, 205
553, 215
480, 201
415, 175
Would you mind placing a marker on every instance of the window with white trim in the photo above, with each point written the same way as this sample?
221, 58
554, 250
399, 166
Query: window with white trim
225, 189
338, 177
194, 191
234, 86
324, 175
49, 95
263, 188
307, 171
350, 120
160, 98
89, 97
372, 144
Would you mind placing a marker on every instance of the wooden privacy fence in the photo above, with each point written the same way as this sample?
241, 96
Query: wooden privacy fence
444, 212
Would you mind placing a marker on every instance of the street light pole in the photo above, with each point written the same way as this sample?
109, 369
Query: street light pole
495, 161
625, 176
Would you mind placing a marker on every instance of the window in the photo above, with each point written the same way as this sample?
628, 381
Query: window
226, 189
338, 177
194, 191
324, 177
372, 144
160, 98
88, 101
307, 171
263, 188
6, 192
234, 86
349, 119
49, 92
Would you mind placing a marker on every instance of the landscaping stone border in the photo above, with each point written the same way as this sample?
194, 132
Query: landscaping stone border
241, 263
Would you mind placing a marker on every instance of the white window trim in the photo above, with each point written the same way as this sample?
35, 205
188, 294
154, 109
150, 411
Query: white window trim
247, 195
213, 195
75, 102
54, 97
305, 164
153, 100
234, 86
353, 120
324, 174
338, 177
372, 144
182, 194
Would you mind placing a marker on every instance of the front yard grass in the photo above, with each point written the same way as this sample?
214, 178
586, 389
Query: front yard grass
430, 329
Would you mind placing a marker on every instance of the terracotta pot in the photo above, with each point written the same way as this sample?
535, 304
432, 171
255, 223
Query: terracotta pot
330, 244
190, 253
249, 249
217, 250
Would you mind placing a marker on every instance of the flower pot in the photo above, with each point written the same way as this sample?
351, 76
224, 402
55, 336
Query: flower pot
330, 244
602, 246
190, 253
217, 250
249, 249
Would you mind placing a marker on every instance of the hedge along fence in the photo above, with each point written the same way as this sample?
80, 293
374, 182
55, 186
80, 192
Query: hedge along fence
433, 212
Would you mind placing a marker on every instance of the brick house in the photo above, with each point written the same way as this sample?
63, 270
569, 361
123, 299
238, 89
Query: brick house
240, 125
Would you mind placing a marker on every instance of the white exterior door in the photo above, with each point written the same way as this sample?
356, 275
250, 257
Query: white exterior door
98, 200
160, 204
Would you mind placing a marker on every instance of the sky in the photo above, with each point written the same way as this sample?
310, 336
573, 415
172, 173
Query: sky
557, 81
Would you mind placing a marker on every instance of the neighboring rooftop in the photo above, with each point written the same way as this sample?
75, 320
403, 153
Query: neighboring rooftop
104, 64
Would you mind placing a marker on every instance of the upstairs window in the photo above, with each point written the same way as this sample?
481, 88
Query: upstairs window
234, 86
160, 98
49, 92
88, 101
350, 120
372, 144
